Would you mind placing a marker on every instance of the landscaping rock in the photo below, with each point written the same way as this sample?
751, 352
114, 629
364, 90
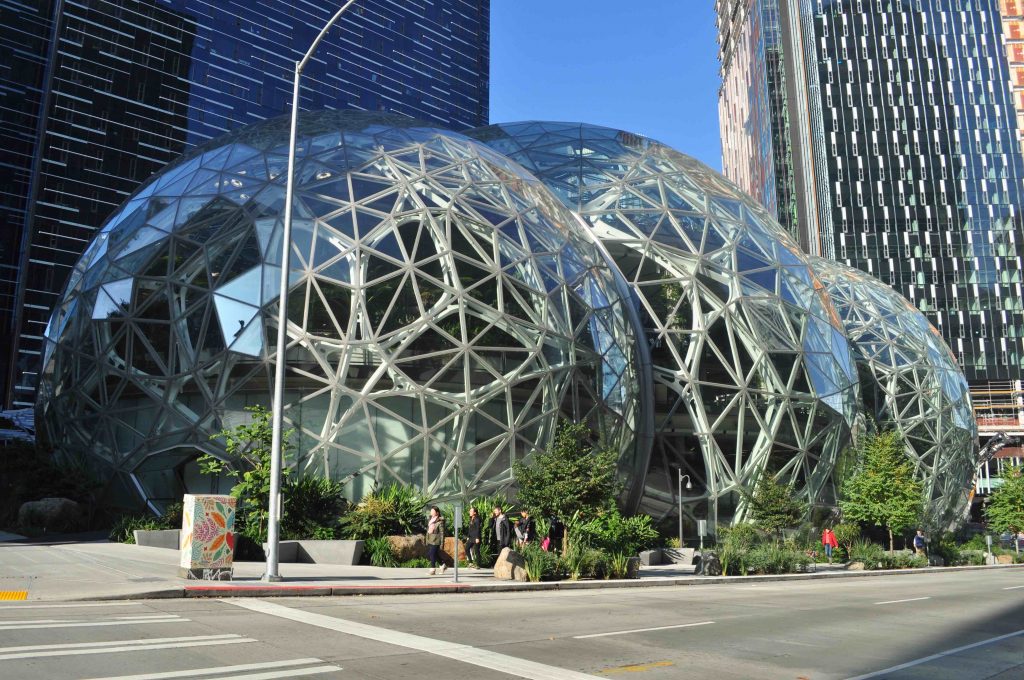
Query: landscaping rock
711, 565
936, 561
510, 566
633, 570
449, 548
650, 558
855, 566
51, 514
408, 547
1004, 559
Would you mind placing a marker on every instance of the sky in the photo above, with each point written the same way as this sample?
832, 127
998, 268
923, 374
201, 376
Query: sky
646, 66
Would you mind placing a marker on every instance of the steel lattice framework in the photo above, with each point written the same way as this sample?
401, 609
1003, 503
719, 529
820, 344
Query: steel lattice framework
751, 365
911, 382
444, 311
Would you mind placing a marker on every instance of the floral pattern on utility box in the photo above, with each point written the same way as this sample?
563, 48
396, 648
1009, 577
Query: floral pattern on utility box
207, 536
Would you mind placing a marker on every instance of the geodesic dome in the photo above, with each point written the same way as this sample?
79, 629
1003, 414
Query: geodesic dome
444, 310
752, 368
910, 381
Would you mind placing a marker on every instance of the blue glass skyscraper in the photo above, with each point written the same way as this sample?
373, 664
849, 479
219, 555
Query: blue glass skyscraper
99, 94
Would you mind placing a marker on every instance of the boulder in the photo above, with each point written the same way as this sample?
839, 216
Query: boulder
855, 566
407, 548
448, 549
633, 570
710, 565
51, 514
1004, 559
510, 566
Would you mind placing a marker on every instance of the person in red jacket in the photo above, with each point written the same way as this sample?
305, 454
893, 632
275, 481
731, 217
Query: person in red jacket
828, 539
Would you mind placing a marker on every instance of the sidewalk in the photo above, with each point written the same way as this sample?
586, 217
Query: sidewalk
69, 571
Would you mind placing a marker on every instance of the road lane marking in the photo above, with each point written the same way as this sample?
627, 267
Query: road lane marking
909, 599
73, 649
12, 607
89, 624
217, 670
641, 630
933, 657
273, 675
1013, 587
502, 663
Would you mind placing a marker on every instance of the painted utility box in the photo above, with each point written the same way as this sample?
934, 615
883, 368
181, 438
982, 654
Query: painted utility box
207, 537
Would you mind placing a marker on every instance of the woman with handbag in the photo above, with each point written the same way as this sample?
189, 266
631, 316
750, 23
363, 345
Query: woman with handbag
435, 539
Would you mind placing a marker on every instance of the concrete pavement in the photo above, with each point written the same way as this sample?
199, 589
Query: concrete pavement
99, 571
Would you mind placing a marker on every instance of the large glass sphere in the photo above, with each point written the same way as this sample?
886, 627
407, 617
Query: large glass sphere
911, 382
444, 311
752, 369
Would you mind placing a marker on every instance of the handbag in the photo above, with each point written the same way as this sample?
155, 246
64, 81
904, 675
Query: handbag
546, 543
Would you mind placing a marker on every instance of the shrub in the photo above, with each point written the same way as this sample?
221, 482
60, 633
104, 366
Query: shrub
871, 554
122, 530
416, 563
541, 565
740, 536
583, 562
612, 533
974, 558
846, 533
379, 552
394, 510
618, 565
946, 548
313, 507
903, 559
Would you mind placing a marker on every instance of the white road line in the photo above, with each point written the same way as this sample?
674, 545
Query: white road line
90, 624
222, 669
142, 617
1013, 587
116, 643
12, 607
281, 674
503, 663
130, 646
641, 630
910, 599
933, 657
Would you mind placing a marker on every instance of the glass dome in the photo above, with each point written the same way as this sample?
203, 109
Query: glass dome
752, 369
444, 310
910, 381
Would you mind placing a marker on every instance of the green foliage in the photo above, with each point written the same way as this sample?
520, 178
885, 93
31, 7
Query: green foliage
540, 564
379, 552
773, 506
883, 490
1005, 509
393, 511
416, 563
313, 507
583, 562
945, 547
121, 531
249, 445
903, 559
28, 473
974, 558
741, 536
846, 533
610, 532
572, 477
618, 565
863, 550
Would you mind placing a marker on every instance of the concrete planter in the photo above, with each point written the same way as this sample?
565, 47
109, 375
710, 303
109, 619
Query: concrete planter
319, 552
633, 570
651, 558
158, 538
677, 555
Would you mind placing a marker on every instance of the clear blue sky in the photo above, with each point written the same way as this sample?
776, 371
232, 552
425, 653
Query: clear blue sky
647, 66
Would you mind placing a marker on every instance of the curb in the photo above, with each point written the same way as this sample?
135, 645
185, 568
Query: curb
328, 590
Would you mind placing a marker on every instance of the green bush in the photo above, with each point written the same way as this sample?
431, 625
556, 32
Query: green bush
903, 559
121, 531
945, 547
313, 507
541, 565
29, 474
618, 566
871, 554
583, 562
379, 552
416, 563
612, 533
392, 511
974, 558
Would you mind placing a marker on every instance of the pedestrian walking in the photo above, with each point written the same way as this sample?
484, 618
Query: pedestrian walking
919, 542
556, 533
828, 539
435, 539
526, 528
473, 539
502, 529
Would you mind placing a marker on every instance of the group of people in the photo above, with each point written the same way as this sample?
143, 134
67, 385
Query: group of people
828, 540
505, 534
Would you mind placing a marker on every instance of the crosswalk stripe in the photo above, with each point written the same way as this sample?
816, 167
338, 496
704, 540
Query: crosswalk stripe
223, 669
117, 643
130, 648
281, 674
90, 624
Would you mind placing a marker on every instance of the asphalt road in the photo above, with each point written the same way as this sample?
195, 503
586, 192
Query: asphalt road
934, 626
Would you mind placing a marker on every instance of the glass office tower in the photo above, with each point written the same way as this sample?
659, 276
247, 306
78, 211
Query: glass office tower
898, 138
99, 94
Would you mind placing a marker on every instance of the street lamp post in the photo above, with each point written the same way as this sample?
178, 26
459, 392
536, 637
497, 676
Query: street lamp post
276, 452
679, 495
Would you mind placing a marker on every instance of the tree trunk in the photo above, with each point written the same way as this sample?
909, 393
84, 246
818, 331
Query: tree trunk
892, 544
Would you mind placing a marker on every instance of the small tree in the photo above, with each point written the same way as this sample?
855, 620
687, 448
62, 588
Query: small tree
250, 445
572, 477
846, 533
1005, 509
882, 490
773, 507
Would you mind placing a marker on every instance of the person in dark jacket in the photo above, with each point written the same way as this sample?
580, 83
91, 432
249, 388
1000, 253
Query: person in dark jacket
526, 528
502, 529
556, 533
473, 539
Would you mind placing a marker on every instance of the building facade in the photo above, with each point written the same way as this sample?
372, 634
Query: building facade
899, 139
100, 94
